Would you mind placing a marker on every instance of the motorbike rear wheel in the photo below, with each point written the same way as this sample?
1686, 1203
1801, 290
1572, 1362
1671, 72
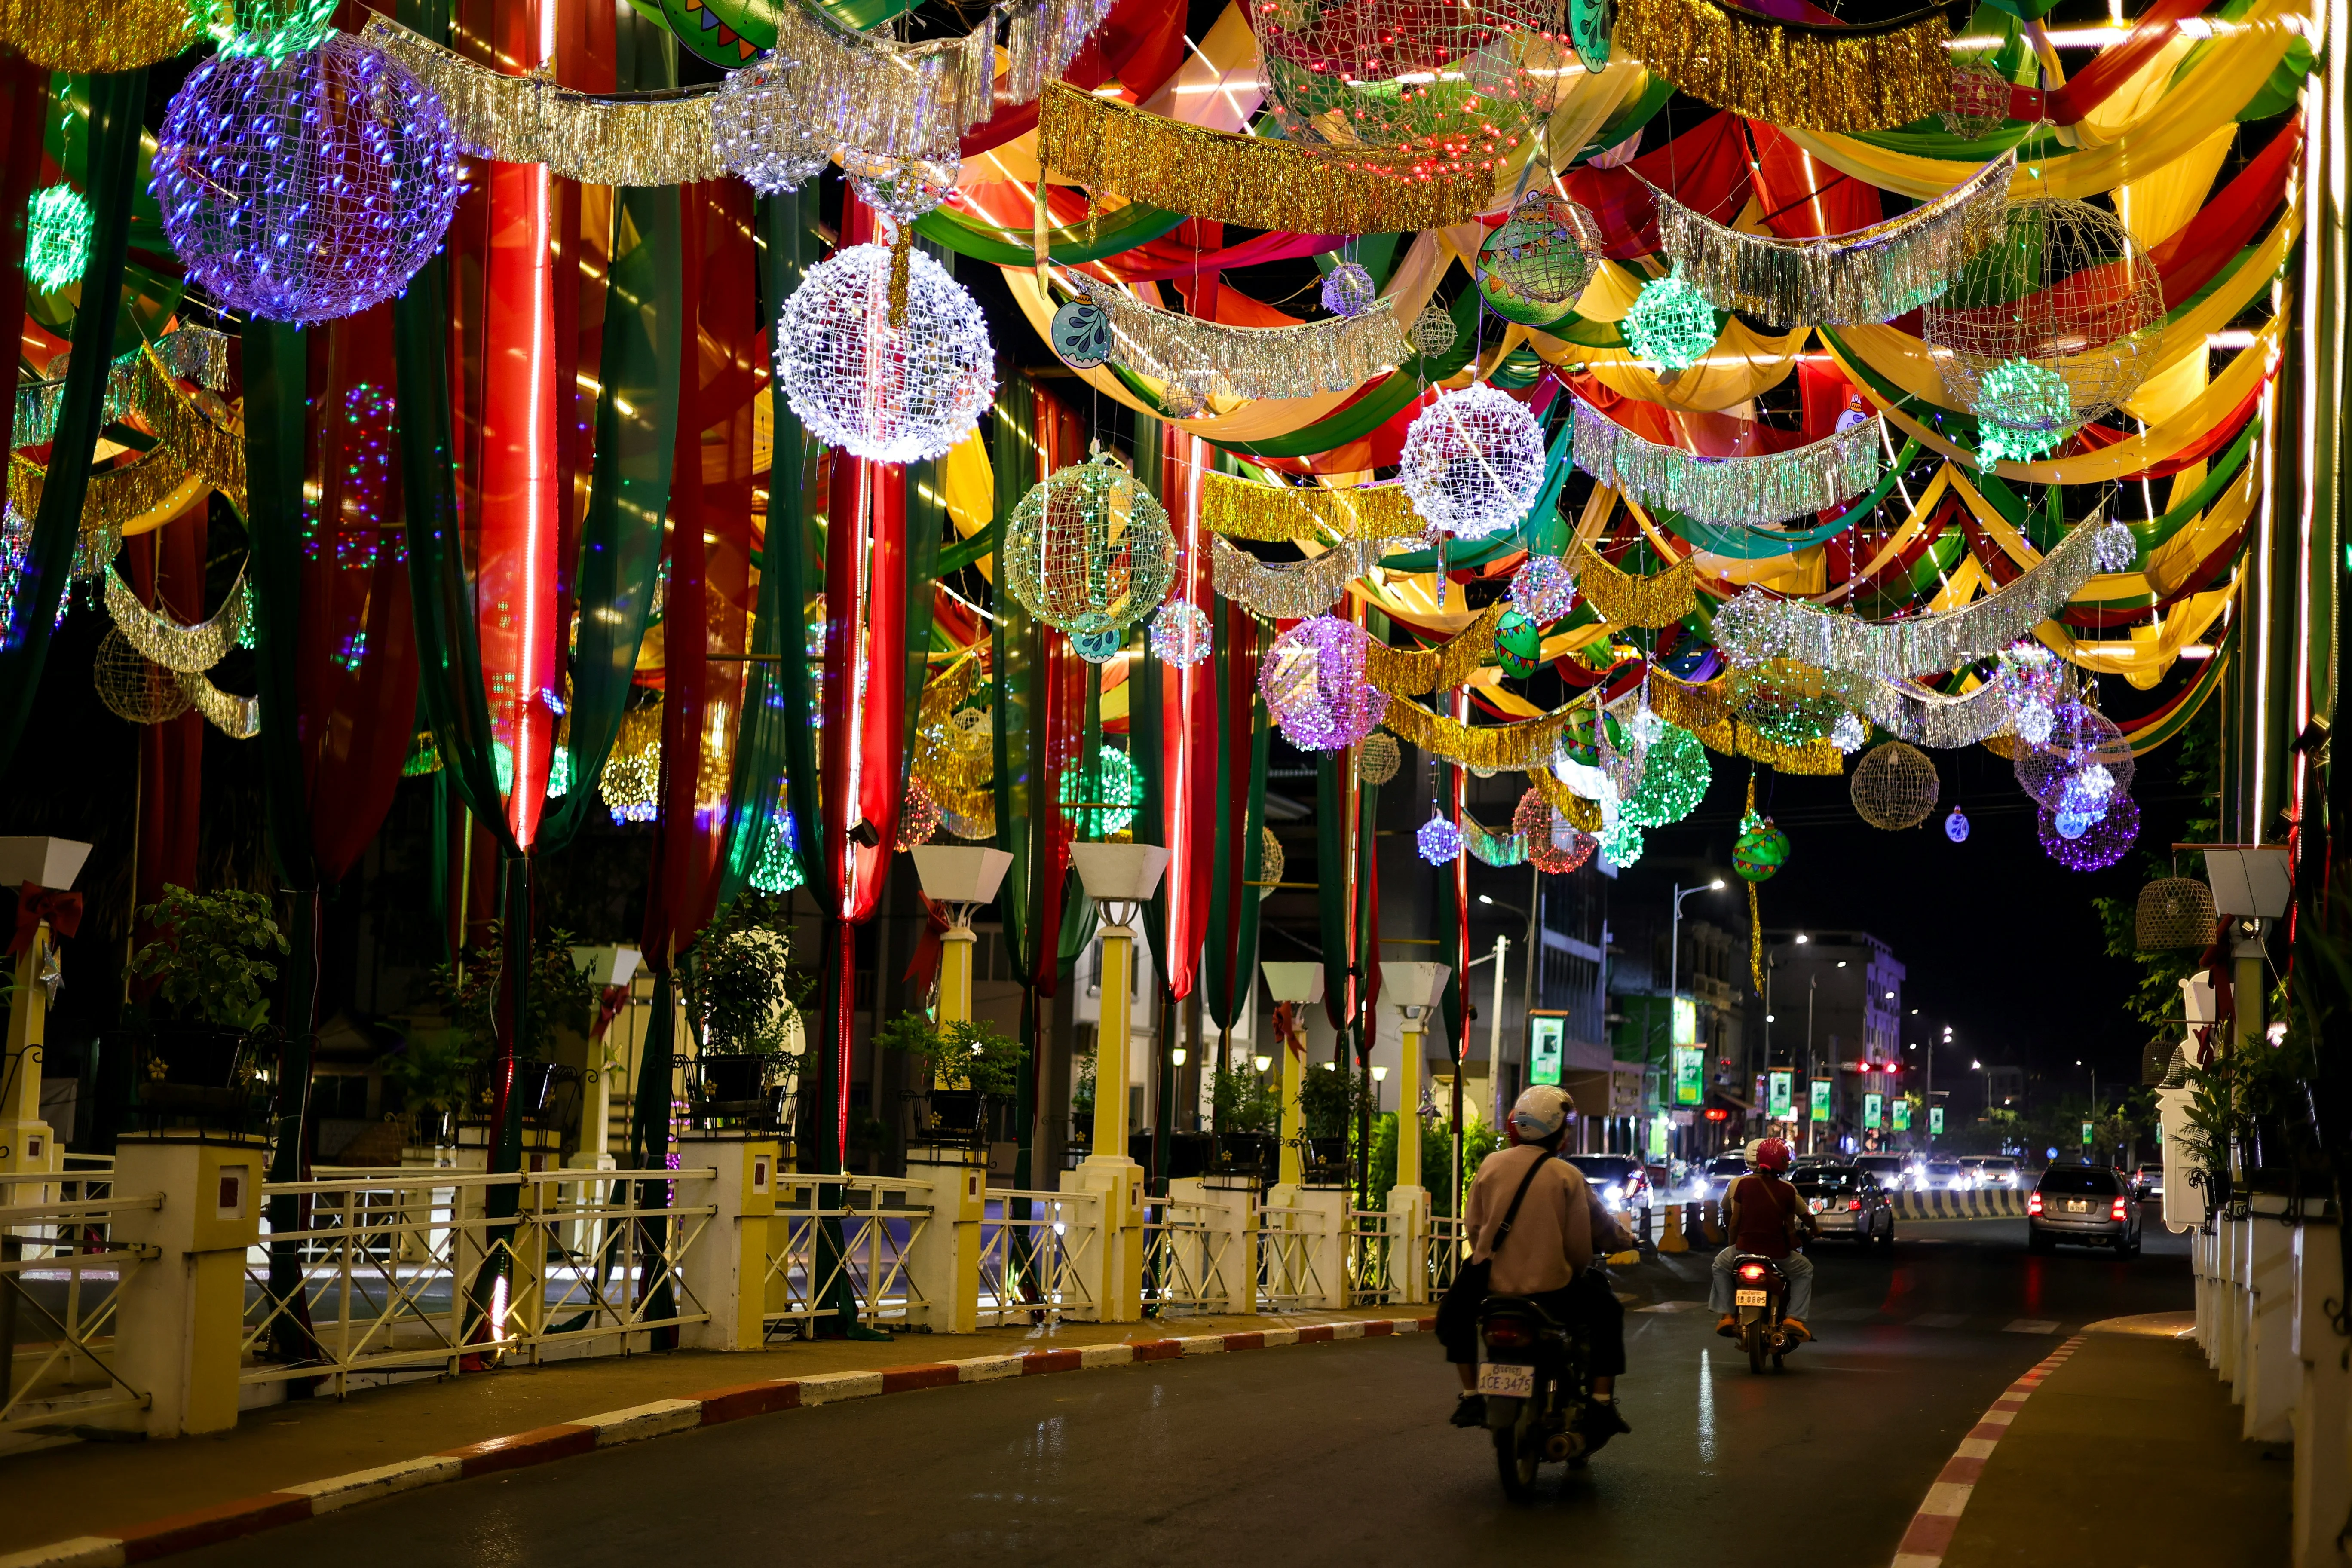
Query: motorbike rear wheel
1518, 1471
1755, 1338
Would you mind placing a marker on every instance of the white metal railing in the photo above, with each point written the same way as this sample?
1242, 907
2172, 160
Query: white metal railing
404, 1272
1034, 1265
828, 1234
1183, 1258
1369, 1239
61, 1281
1449, 1247
1292, 1257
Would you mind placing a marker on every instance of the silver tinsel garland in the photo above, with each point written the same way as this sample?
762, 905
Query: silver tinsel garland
1748, 492
1858, 279
1909, 712
1756, 627
1294, 590
1335, 355
187, 649
239, 717
190, 354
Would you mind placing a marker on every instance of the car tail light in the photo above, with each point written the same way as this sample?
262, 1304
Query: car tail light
1853, 1205
1512, 1333
2120, 1212
2032, 1202
1751, 1272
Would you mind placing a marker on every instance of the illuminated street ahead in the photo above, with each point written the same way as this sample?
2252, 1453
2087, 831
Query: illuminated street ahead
1325, 1453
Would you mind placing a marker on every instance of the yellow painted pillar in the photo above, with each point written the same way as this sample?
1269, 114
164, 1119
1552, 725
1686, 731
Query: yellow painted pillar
180, 1312
1294, 1120
955, 975
1408, 1172
1110, 1041
28, 1144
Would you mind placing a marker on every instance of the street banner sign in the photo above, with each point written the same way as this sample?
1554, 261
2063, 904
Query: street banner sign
1872, 1104
1780, 1100
1902, 1109
1935, 1122
1690, 1082
1820, 1099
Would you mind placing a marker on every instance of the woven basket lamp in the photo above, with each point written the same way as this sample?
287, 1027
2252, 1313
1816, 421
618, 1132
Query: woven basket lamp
1895, 786
1378, 758
2175, 912
133, 685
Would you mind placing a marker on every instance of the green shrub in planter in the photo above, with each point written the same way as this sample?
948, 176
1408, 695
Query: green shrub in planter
963, 1056
557, 994
211, 957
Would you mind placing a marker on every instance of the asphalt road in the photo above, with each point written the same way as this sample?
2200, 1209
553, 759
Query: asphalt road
1327, 1454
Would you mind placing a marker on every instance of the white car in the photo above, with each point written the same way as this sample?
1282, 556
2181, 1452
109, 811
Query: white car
1991, 1171
1892, 1170
1946, 1176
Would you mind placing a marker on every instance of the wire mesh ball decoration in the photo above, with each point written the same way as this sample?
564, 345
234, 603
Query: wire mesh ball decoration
2174, 912
1849, 734
1956, 826
2067, 290
1348, 289
1566, 850
1670, 325
1182, 633
1760, 850
919, 815
1447, 83
58, 227
1431, 332
1542, 255
1102, 806
1543, 589
757, 128
1894, 786
901, 188
2080, 737
1312, 678
1979, 100
309, 189
1674, 776
1473, 462
1377, 757
1089, 549
1096, 647
1621, 846
1439, 841
1531, 819
2029, 677
890, 394
1271, 863
2100, 845
133, 686
1784, 701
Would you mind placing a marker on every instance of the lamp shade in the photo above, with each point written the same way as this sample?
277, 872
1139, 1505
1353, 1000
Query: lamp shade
1119, 873
2196, 999
1411, 982
602, 966
960, 873
44, 862
2250, 882
1293, 982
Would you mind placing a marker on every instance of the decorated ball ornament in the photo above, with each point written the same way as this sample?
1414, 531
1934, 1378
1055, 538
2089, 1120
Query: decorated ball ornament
1473, 462
1439, 840
1433, 332
133, 686
891, 393
1081, 335
902, 188
2066, 290
1089, 549
1543, 589
1098, 647
1674, 776
919, 815
2098, 845
1621, 846
1894, 786
1760, 850
1670, 325
1544, 253
758, 131
1519, 645
2080, 738
1348, 289
305, 189
1980, 97
1377, 757
1312, 678
1956, 826
1182, 633
1103, 804
57, 238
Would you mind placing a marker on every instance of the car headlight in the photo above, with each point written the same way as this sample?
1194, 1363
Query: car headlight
1612, 1193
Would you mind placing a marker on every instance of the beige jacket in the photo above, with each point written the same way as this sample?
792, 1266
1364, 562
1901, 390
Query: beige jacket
1551, 1241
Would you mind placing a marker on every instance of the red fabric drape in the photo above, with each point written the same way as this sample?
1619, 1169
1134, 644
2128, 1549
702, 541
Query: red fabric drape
1188, 734
1140, 43
1802, 199
24, 104
1706, 169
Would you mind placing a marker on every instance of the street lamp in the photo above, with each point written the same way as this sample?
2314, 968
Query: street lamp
963, 876
1300, 985
1675, 959
1121, 880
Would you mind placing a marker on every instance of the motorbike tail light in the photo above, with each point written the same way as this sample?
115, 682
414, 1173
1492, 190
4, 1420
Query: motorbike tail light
1510, 1332
1751, 1272
2033, 1203
2120, 1212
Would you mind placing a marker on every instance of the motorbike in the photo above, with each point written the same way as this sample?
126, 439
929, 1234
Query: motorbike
1536, 1388
1759, 1289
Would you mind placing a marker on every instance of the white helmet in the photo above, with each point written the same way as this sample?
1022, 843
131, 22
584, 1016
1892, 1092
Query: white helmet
1749, 1152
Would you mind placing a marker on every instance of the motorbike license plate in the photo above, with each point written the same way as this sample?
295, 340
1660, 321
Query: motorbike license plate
1750, 1299
2077, 1205
1504, 1378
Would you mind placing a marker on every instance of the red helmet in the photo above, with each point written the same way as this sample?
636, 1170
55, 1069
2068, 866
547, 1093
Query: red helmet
1773, 1154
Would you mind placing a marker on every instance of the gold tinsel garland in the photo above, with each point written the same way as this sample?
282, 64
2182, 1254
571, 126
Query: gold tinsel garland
187, 443
1114, 149
1624, 599
1580, 813
966, 813
1289, 590
1703, 710
1244, 508
1409, 672
239, 717
1812, 77
944, 760
1338, 354
190, 648
117, 36
1528, 745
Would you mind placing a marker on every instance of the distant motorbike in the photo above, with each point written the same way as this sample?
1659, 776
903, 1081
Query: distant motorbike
1537, 1388
1759, 1289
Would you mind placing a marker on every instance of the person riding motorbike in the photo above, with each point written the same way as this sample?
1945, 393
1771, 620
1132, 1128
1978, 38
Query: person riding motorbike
1762, 1214
1560, 1228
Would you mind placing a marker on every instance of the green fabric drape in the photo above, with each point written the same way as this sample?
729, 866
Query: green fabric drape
115, 103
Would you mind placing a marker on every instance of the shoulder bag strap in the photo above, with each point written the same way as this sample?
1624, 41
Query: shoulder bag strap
1511, 1215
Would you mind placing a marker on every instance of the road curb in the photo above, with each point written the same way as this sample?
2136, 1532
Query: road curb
1930, 1535
251, 1516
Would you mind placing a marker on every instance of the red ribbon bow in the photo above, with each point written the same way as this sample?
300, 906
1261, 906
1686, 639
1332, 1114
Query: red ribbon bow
35, 904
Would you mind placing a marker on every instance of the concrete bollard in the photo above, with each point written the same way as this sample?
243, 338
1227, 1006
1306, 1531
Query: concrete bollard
1306, 1242
943, 1259
727, 1268
180, 1314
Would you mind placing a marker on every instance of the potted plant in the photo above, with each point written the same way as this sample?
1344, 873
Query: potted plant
556, 994
1329, 1097
961, 1067
1082, 1096
743, 999
207, 967
433, 1070
1246, 1112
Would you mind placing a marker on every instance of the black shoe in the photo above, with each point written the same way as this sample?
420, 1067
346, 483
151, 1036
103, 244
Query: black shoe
1602, 1421
1470, 1410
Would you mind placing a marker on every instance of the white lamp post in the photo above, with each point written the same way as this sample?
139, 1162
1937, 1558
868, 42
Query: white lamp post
1121, 880
963, 876
27, 1143
1301, 985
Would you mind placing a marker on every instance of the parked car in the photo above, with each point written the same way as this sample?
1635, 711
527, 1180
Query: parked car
2149, 1180
1991, 1171
1848, 1202
1814, 1162
1893, 1171
1718, 1175
2092, 1206
1946, 1176
1618, 1180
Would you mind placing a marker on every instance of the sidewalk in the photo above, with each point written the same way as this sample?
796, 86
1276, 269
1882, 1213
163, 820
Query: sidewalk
2126, 1453
105, 1488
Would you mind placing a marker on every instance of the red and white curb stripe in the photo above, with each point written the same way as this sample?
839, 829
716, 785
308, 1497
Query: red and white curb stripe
252, 1515
1930, 1535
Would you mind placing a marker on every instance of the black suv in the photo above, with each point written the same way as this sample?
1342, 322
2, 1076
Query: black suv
2091, 1205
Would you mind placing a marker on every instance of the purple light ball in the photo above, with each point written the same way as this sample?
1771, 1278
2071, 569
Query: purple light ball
2101, 844
2079, 737
1440, 841
310, 190
1313, 683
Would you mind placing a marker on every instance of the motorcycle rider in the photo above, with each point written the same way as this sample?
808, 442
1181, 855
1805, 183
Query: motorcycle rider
1560, 1230
1763, 1214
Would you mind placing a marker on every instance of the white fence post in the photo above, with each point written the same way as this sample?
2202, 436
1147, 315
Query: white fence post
943, 1255
2273, 1379
1226, 1266
1408, 1244
727, 1270
181, 1318
2322, 1408
1309, 1226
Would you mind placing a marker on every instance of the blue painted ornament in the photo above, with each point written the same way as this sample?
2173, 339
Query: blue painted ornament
1081, 334
1956, 826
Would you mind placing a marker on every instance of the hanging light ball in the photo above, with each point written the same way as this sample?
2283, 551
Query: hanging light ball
1519, 645
1118, 786
1531, 819
1849, 734
919, 815
2028, 678
1439, 840
1670, 325
1786, 701
1444, 87
307, 189
1098, 647
133, 686
778, 869
1182, 633
1894, 786
1956, 826
758, 129
1980, 97
1271, 863
1621, 846
889, 394
1674, 776
58, 227
2080, 738
1431, 332
1089, 549
2098, 845
1348, 289
1185, 396
1377, 757
904, 188
1312, 678
1473, 462
1566, 850
1541, 256
1760, 850
1543, 589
